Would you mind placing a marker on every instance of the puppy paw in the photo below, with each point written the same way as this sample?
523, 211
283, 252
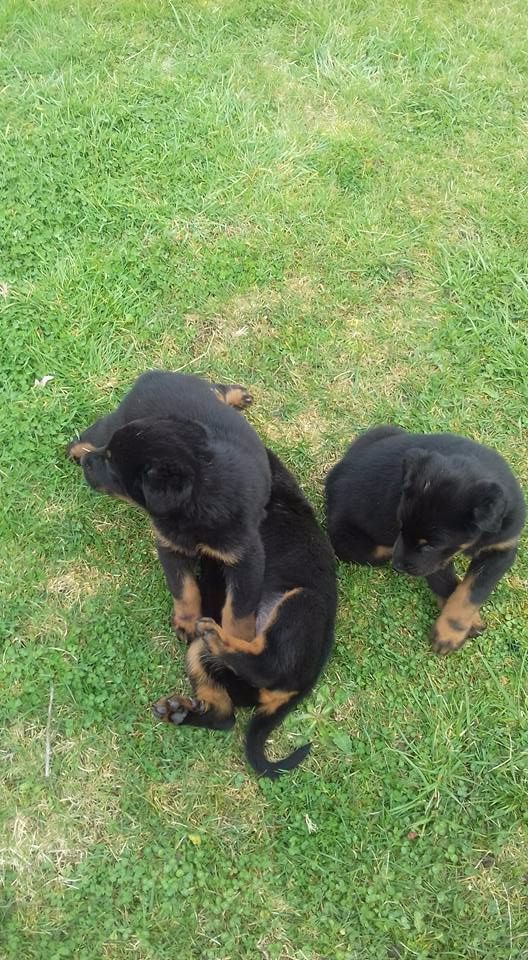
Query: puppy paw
184, 627
174, 709
239, 398
77, 448
182, 631
446, 639
477, 626
209, 631
234, 395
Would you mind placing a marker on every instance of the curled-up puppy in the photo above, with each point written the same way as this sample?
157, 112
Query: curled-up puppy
176, 447
295, 630
419, 499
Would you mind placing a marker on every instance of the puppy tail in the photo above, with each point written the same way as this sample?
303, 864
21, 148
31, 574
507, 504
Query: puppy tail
258, 731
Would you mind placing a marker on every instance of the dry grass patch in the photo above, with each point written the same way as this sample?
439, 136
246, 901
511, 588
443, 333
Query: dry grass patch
78, 581
50, 831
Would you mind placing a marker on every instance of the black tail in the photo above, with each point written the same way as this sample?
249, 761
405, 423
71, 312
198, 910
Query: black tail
258, 731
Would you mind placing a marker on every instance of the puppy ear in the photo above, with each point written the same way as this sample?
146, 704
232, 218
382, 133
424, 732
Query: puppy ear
490, 506
413, 464
166, 487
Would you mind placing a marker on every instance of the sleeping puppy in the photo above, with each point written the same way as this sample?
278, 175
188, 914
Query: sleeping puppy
295, 630
420, 499
176, 448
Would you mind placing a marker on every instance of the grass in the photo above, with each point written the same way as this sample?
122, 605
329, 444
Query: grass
325, 201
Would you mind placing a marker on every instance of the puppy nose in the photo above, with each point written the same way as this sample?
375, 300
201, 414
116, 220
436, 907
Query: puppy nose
398, 566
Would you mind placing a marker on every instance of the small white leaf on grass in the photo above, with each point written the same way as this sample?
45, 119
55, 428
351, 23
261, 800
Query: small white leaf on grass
43, 381
311, 826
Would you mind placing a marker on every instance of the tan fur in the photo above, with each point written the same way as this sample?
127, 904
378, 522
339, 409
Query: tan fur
234, 397
229, 559
220, 641
205, 689
241, 627
382, 553
459, 617
271, 700
502, 545
187, 608
80, 448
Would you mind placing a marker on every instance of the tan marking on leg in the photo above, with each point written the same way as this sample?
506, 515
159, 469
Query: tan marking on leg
271, 700
78, 450
187, 608
213, 695
241, 627
501, 546
382, 553
458, 618
220, 642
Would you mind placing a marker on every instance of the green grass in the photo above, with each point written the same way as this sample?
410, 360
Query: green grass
325, 201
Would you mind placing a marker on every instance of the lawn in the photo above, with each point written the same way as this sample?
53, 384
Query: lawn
326, 201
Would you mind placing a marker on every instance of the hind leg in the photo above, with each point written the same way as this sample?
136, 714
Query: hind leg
233, 394
211, 706
354, 546
258, 661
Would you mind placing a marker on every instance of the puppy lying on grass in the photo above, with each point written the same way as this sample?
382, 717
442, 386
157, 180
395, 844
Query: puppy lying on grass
295, 630
201, 473
420, 499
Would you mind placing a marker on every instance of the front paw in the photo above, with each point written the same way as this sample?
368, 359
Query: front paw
184, 627
446, 637
174, 709
477, 626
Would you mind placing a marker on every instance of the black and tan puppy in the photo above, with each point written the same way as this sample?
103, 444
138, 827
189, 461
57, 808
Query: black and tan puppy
295, 629
200, 471
420, 499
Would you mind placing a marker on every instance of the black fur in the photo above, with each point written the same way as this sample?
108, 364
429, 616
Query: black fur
297, 555
196, 466
428, 497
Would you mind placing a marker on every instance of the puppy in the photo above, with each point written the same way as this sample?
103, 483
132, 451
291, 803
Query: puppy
176, 448
295, 630
420, 499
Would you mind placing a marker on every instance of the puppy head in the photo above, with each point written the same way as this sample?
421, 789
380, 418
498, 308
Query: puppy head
444, 508
155, 463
